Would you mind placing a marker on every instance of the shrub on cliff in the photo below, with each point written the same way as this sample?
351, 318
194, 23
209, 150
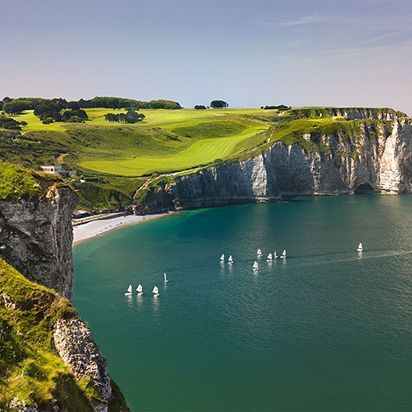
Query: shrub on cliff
17, 183
32, 374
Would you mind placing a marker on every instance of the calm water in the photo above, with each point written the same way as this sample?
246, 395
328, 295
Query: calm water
326, 331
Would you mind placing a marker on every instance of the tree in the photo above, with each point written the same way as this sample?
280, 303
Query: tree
218, 104
200, 107
9, 123
15, 107
72, 115
130, 117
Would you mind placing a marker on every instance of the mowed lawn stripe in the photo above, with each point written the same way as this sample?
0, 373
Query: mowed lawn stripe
201, 152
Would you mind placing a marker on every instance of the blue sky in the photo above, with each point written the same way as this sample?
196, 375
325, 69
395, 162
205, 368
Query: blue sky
250, 53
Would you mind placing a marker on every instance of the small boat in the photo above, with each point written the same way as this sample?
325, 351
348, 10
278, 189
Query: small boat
259, 252
165, 277
275, 256
255, 266
270, 257
155, 291
139, 289
283, 255
222, 258
230, 260
360, 247
129, 290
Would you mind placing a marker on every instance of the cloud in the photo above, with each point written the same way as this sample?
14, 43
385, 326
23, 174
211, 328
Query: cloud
386, 35
300, 21
304, 20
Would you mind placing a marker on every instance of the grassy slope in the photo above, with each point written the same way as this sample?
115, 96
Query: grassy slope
30, 368
122, 156
166, 140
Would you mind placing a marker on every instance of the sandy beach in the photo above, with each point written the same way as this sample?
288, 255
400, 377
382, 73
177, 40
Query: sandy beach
99, 227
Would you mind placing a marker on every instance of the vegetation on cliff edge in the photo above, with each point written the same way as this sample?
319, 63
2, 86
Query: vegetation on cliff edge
31, 372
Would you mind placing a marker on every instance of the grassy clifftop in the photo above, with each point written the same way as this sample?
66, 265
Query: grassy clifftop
31, 372
121, 157
21, 183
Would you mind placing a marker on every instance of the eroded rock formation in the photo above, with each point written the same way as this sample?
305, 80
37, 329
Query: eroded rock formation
36, 238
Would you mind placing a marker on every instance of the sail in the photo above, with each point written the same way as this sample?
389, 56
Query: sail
275, 256
270, 257
255, 265
284, 253
155, 290
360, 247
129, 290
230, 260
259, 252
139, 288
165, 277
222, 258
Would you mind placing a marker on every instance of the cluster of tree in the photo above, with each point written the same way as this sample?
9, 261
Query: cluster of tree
279, 107
51, 108
200, 107
122, 103
11, 124
60, 110
130, 117
16, 106
218, 104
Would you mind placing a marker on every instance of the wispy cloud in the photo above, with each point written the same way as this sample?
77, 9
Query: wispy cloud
300, 21
387, 35
304, 20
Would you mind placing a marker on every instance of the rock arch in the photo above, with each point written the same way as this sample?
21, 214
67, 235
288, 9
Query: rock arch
363, 188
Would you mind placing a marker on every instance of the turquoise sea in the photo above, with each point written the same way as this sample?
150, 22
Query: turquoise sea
328, 330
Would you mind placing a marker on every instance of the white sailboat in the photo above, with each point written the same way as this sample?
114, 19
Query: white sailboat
165, 277
283, 255
155, 291
255, 266
259, 252
270, 257
222, 258
230, 260
275, 256
139, 289
360, 247
129, 290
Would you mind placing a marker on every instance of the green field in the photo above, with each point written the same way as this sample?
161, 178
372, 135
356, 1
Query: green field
165, 141
124, 158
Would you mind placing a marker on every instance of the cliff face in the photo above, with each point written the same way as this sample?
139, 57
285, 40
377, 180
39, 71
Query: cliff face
48, 360
39, 330
36, 238
373, 158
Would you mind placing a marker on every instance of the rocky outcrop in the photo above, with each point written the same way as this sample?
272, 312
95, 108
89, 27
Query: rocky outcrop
374, 158
76, 347
36, 238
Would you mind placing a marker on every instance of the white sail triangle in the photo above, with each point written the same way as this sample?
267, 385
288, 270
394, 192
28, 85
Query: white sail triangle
255, 266
139, 289
222, 258
270, 257
129, 290
155, 290
360, 247
165, 277
230, 260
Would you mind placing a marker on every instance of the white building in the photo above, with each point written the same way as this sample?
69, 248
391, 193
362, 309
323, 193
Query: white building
55, 170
